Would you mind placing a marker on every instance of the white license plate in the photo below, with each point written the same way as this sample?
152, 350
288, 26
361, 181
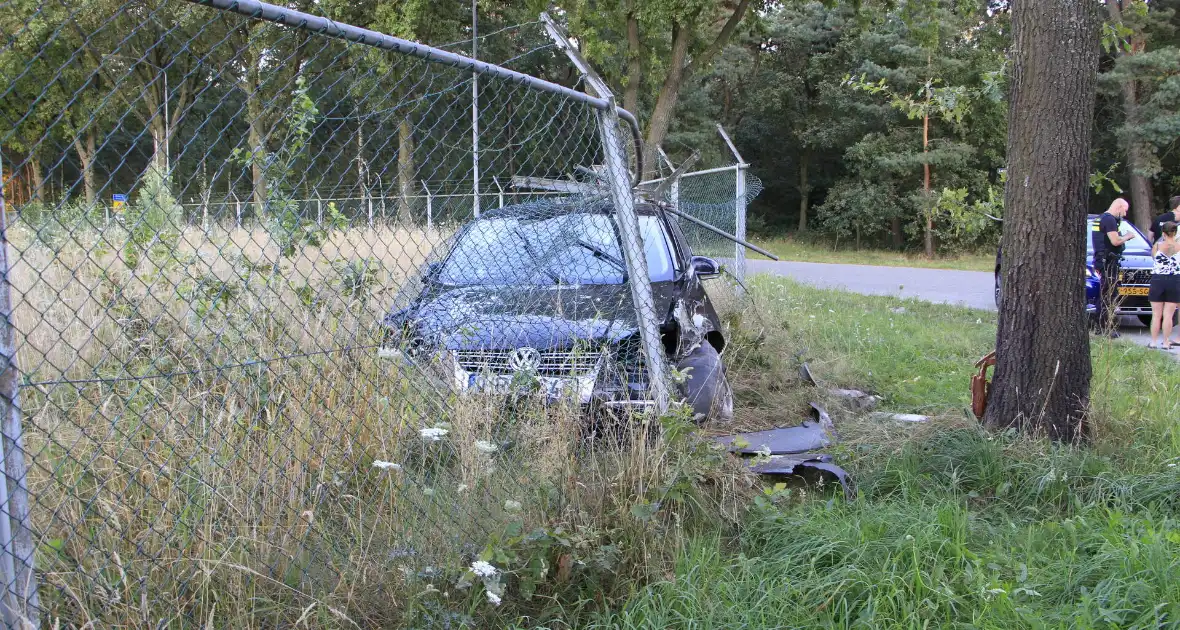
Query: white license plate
501, 384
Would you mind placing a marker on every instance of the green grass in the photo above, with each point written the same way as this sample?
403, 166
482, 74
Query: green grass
953, 527
788, 248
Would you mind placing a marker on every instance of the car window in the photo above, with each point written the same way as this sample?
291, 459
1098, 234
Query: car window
1138, 246
660, 266
574, 248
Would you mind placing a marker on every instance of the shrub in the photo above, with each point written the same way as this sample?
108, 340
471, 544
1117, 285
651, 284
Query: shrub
153, 221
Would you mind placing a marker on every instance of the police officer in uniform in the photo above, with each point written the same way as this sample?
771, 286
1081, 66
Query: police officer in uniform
1108, 253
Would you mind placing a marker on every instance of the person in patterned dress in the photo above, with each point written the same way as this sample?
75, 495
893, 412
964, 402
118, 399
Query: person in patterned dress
1164, 293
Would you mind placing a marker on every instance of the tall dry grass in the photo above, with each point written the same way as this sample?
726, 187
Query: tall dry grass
205, 435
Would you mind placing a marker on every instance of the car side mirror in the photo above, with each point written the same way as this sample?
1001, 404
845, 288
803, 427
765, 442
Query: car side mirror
704, 267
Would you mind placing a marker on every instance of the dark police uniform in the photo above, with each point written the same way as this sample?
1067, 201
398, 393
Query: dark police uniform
1107, 260
1157, 224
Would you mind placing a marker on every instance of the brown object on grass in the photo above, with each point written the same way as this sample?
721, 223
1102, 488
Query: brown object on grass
981, 386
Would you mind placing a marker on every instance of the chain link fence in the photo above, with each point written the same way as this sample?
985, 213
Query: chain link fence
254, 408
719, 197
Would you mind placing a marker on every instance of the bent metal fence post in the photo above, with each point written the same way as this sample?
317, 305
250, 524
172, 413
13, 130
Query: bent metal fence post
267, 407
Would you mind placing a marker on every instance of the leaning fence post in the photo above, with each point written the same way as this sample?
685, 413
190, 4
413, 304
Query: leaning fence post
21, 607
238, 208
319, 210
500, 194
619, 178
739, 251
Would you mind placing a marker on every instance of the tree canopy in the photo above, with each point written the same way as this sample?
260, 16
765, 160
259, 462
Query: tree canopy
880, 123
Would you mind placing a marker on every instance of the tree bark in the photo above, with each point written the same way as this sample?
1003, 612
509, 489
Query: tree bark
37, 192
678, 73
804, 189
634, 68
256, 140
85, 151
897, 236
405, 170
661, 114
1042, 375
1137, 153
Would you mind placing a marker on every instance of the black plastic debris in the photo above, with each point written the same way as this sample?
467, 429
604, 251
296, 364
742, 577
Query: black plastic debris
808, 436
806, 375
798, 465
792, 451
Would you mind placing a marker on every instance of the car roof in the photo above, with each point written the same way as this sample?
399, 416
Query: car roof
556, 206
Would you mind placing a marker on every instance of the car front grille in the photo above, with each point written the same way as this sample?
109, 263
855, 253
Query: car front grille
553, 363
1136, 276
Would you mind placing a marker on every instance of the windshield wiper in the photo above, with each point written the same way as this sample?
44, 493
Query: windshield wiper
604, 255
533, 256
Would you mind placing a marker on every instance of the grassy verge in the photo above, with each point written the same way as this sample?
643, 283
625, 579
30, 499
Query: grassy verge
953, 527
788, 248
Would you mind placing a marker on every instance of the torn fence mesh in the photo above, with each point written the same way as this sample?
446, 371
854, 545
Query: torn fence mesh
211, 219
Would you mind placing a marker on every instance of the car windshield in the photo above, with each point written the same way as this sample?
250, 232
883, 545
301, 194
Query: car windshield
1137, 246
574, 248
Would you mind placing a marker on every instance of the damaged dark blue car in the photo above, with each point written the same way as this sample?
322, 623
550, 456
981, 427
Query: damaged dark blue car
534, 297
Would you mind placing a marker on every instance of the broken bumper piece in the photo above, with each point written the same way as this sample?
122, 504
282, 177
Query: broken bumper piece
791, 451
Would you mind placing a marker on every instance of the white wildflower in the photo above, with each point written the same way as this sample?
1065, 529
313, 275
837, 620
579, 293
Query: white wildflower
483, 569
512, 506
486, 447
383, 465
432, 434
428, 491
493, 598
462, 487
909, 537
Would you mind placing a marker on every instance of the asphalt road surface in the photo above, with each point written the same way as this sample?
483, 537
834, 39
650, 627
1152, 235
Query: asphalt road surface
974, 289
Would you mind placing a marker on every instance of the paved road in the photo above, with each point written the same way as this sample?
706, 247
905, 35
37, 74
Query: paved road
974, 289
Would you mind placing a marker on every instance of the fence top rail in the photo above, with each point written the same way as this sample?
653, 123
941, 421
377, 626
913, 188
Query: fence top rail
331, 28
506, 193
708, 171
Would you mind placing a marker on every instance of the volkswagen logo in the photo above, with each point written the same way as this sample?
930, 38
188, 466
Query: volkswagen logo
524, 360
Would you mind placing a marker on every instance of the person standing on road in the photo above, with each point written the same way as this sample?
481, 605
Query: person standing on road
1108, 254
1164, 293
1173, 215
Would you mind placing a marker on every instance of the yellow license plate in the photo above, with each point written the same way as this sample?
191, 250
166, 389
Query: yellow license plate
1132, 290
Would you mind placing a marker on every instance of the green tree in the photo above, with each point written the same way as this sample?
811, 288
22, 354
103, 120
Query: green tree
665, 44
1146, 76
1042, 377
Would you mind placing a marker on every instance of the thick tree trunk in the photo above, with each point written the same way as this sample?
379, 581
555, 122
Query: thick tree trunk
804, 189
678, 72
85, 151
1141, 193
661, 114
1042, 377
257, 145
405, 170
634, 69
1137, 153
895, 233
37, 193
